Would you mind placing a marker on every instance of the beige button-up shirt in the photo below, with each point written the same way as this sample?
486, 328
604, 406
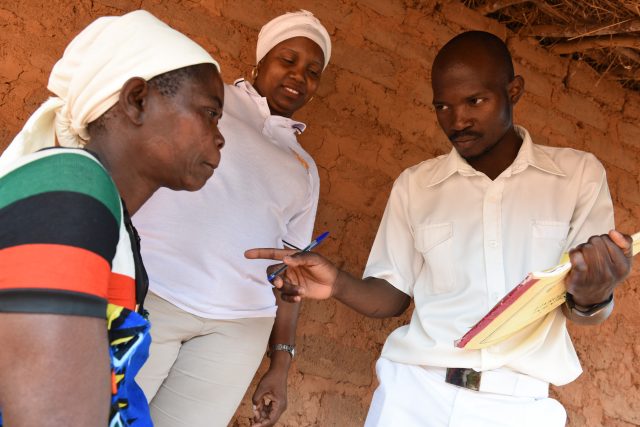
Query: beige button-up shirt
457, 242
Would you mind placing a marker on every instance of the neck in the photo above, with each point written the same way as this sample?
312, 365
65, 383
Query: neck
134, 189
499, 157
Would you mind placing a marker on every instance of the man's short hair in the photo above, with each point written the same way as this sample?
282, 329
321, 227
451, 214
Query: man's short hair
478, 41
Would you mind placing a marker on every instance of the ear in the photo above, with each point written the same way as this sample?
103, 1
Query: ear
257, 69
133, 99
515, 89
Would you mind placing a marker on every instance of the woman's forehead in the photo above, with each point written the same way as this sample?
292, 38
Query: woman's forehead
300, 44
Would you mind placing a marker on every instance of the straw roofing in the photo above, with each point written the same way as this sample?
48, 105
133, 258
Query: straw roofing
603, 33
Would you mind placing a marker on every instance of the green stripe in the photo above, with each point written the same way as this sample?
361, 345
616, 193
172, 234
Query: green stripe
61, 172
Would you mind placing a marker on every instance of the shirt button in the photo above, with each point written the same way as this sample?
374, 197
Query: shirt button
493, 243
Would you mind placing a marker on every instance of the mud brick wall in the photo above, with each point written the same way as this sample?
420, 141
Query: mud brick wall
371, 119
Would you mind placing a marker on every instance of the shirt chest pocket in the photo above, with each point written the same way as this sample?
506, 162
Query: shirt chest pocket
435, 243
549, 239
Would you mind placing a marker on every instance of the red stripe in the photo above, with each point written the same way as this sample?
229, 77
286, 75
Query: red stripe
122, 291
52, 266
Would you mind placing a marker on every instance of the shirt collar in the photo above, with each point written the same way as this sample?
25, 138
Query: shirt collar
263, 106
530, 154
452, 163
534, 155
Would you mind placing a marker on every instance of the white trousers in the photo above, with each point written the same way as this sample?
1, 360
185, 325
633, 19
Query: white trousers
409, 395
199, 369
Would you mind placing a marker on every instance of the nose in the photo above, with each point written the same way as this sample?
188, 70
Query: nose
297, 72
218, 139
461, 119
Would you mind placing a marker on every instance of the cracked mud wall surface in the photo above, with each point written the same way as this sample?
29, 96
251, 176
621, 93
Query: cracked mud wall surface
371, 119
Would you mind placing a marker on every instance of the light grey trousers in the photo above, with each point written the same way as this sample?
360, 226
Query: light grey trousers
199, 369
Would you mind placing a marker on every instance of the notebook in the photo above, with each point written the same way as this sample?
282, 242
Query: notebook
538, 294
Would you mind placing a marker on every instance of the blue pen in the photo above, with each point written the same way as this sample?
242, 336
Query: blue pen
311, 245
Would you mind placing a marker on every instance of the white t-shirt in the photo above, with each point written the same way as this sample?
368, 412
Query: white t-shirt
265, 190
457, 242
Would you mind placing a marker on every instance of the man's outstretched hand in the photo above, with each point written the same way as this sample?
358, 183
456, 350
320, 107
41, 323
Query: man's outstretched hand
308, 275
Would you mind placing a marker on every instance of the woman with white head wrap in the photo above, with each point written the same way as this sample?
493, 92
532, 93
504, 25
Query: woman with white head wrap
290, 25
144, 100
212, 310
95, 65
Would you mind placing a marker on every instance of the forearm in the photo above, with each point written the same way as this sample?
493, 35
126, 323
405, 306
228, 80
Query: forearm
372, 297
284, 331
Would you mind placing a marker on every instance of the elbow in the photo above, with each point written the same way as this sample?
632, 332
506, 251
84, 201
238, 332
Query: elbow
401, 310
396, 309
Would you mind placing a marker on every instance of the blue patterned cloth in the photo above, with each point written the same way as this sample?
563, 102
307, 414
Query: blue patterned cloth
129, 342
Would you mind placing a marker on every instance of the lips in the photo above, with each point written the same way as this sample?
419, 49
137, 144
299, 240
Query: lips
464, 137
213, 166
293, 90
464, 140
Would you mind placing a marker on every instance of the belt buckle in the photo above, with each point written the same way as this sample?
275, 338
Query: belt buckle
464, 377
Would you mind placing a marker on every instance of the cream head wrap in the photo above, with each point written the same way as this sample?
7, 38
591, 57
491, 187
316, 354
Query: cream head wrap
289, 25
95, 65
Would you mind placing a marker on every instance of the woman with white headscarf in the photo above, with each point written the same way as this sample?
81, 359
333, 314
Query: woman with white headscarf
212, 310
136, 107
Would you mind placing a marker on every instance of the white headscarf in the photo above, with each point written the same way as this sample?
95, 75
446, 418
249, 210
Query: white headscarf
293, 24
95, 65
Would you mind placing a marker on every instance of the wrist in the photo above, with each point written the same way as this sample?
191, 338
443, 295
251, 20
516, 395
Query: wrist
281, 352
280, 364
587, 308
280, 361
591, 314
337, 289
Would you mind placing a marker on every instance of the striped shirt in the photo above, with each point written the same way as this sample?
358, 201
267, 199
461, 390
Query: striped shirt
64, 248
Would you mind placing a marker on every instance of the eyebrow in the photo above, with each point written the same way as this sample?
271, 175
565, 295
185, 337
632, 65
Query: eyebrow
319, 62
214, 99
477, 94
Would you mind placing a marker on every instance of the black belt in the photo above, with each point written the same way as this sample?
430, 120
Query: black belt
496, 381
464, 377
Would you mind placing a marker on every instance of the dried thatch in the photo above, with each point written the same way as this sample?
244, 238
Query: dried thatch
603, 33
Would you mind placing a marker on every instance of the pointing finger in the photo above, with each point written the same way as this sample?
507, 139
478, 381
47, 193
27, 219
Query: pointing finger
268, 253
